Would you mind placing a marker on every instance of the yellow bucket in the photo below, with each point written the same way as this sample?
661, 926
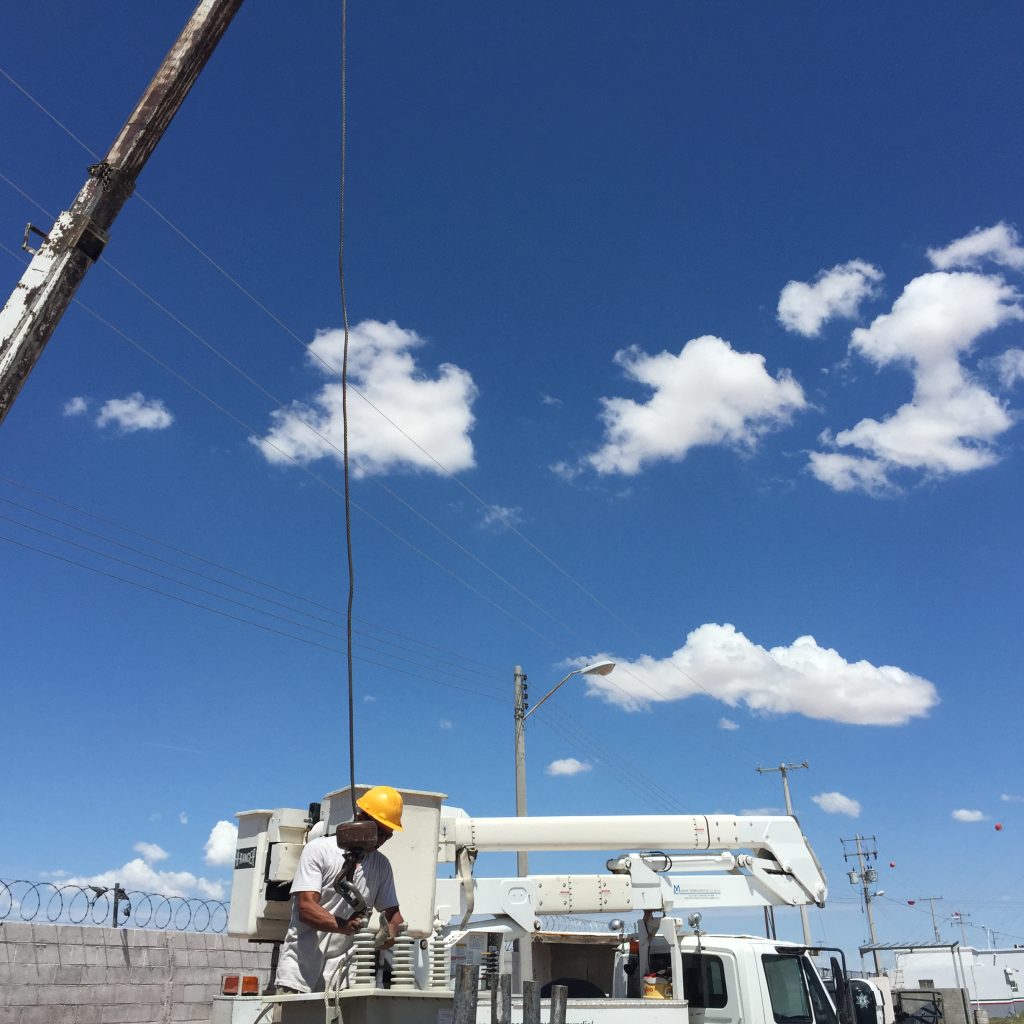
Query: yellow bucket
656, 987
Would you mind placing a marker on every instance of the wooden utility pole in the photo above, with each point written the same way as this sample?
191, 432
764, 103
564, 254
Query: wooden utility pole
77, 238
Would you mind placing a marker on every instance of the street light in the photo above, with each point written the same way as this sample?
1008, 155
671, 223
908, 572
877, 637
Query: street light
597, 668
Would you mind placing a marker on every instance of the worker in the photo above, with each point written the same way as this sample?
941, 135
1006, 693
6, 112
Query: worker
323, 919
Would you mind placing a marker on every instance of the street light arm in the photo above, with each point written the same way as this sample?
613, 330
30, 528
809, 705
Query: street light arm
574, 672
597, 668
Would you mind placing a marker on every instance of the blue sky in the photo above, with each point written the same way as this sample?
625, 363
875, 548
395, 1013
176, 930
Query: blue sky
713, 317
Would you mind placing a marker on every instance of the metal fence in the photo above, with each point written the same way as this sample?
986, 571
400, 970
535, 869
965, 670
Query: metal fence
113, 906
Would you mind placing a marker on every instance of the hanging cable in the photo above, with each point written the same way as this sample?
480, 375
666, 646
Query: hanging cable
344, 415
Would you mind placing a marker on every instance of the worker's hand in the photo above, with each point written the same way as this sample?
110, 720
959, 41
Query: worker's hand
351, 926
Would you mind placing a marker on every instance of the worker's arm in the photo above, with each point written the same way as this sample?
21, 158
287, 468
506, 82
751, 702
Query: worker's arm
311, 913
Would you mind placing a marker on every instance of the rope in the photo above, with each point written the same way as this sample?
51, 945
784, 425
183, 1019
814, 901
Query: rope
344, 416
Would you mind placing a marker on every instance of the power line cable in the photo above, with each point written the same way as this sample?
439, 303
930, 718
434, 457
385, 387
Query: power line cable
248, 427
280, 404
344, 413
491, 509
225, 568
208, 593
241, 619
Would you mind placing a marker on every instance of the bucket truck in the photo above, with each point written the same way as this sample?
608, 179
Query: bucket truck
664, 866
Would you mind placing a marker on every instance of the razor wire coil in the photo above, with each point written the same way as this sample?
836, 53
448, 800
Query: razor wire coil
94, 905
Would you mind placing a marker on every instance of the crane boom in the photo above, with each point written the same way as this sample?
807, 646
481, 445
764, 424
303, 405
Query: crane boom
79, 234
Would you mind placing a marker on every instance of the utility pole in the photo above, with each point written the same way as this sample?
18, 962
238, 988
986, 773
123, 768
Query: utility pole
959, 919
519, 712
78, 236
784, 770
866, 876
932, 900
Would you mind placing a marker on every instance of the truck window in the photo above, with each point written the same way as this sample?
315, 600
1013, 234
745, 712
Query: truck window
704, 981
787, 989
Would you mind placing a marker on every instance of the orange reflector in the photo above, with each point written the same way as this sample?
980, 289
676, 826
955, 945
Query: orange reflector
229, 985
634, 945
250, 985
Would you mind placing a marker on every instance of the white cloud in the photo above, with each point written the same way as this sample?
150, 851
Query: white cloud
135, 412
76, 406
139, 876
951, 423
805, 307
708, 394
1009, 366
567, 766
1009, 798
727, 724
436, 412
183, 818
963, 814
836, 803
758, 812
151, 853
999, 243
446, 724
501, 516
851, 473
369, 699
549, 400
565, 471
804, 679
219, 849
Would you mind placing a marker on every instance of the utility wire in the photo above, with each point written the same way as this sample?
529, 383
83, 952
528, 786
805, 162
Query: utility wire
237, 618
370, 640
344, 412
484, 504
250, 429
491, 509
479, 665
280, 404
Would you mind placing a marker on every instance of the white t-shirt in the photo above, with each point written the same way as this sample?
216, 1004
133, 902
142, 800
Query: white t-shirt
308, 955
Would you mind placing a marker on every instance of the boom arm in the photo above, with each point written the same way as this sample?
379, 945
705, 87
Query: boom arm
780, 868
76, 240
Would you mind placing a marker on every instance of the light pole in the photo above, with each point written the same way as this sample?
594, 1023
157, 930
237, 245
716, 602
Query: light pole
598, 668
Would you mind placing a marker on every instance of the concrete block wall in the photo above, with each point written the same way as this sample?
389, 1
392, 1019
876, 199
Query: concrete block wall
71, 974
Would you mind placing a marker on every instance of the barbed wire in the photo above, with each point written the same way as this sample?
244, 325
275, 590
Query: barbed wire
113, 906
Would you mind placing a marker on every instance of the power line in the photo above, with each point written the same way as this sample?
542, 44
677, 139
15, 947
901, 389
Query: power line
237, 618
217, 565
210, 593
491, 509
248, 427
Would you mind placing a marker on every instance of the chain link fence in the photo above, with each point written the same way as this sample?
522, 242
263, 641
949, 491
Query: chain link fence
112, 906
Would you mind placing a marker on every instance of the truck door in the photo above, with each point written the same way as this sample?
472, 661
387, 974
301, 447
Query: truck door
795, 992
711, 987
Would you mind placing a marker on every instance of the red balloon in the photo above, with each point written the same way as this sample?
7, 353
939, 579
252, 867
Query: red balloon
999, 826
892, 863
910, 903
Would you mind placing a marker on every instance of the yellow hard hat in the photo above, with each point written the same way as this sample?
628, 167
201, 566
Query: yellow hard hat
383, 804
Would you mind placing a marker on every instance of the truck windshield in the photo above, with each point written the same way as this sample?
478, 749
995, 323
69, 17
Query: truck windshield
796, 991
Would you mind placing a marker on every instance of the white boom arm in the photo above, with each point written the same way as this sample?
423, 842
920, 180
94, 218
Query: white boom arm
780, 868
